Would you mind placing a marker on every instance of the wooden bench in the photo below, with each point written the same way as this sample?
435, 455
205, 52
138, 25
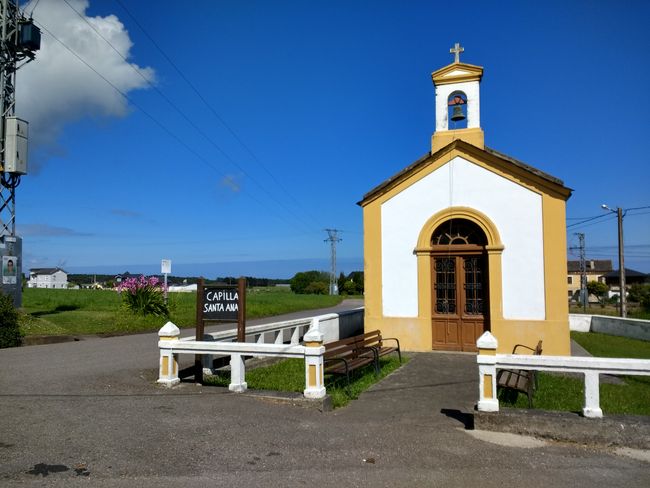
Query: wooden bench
355, 352
519, 379
346, 355
373, 340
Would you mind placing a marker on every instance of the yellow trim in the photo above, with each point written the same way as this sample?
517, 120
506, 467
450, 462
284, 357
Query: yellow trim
372, 263
487, 352
312, 375
468, 213
487, 386
473, 136
441, 76
168, 338
165, 366
313, 344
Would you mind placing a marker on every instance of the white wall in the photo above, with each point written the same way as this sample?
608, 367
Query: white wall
471, 90
515, 211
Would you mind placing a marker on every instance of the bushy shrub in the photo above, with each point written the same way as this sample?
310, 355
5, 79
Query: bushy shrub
317, 288
303, 282
144, 296
10, 335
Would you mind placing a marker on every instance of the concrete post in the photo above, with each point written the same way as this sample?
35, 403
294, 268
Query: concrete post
487, 349
592, 396
237, 374
168, 368
314, 369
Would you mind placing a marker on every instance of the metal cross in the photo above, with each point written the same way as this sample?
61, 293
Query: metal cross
456, 50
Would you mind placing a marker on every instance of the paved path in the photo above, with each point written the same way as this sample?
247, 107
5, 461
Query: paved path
81, 418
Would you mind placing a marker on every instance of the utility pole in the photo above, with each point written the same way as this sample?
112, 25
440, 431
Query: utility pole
333, 238
583, 272
621, 262
19, 40
620, 213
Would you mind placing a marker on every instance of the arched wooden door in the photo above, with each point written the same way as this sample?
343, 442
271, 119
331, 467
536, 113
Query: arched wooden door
459, 278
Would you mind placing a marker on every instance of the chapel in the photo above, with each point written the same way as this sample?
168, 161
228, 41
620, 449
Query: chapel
466, 239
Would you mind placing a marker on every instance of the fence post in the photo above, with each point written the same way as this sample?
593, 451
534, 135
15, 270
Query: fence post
237, 374
168, 368
592, 396
314, 371
487, 349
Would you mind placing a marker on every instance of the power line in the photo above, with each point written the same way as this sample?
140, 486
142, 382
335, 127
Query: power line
214, 112
151, 117
185, 116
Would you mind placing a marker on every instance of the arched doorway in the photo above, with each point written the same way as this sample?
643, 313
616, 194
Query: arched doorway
459, 279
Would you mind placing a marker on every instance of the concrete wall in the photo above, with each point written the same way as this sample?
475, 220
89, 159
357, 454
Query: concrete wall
632, 328
341, 325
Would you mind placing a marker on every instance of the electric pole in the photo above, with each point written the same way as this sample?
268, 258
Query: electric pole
333, 238
19, 40
620, 213
584, 296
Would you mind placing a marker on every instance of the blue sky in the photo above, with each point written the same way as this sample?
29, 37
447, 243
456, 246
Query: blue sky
322, 101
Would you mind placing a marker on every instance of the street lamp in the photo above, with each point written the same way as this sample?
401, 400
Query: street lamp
621, 264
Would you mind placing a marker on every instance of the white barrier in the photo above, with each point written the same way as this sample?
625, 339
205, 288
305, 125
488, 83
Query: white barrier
489, 362
171, 345
605, 324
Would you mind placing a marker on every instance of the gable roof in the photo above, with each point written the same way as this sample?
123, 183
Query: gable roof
507, 161
600, 266
45, 271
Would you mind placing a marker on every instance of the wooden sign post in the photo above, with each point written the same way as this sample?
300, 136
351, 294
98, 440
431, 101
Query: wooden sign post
219, 303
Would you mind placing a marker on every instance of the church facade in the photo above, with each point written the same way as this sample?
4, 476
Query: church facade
466, 239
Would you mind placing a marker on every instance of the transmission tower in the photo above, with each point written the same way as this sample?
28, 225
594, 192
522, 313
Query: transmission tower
333, 238
19, 40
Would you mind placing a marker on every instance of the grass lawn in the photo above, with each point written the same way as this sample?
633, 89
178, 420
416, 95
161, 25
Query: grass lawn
78, 312
633, 312
558, 392
289, 375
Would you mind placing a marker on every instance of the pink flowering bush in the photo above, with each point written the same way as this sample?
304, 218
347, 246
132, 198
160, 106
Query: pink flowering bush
144, 296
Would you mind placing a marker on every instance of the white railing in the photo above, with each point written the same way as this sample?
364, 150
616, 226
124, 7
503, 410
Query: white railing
171, 345
292, 330
489, 362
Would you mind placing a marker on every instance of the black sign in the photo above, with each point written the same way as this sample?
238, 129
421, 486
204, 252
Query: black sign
220, 303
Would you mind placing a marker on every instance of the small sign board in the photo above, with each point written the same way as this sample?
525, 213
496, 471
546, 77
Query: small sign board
166, 266
221, 303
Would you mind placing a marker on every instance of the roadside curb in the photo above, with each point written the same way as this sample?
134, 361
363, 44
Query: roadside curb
631, 431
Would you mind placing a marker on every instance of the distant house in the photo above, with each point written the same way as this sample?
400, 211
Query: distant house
47, 278
632, 277
595, 269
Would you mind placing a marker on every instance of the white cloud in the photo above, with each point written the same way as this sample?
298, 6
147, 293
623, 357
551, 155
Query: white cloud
57, 89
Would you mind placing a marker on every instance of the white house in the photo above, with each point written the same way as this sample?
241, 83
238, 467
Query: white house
47, 278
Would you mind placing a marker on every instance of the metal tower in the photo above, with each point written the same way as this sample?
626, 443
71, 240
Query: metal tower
583, 271
19, 39
333, 238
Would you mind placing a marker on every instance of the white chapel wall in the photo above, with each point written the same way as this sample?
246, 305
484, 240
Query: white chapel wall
514, 210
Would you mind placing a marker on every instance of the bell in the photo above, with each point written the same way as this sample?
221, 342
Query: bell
457, 114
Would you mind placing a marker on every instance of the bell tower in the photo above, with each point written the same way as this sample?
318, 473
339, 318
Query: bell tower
458, 108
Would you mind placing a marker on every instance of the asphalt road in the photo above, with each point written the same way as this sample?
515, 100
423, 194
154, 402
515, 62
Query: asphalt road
89, 413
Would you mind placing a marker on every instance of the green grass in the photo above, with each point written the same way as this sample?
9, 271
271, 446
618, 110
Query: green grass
80, 312
289, 375
633, 312
557, 392
609, 346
